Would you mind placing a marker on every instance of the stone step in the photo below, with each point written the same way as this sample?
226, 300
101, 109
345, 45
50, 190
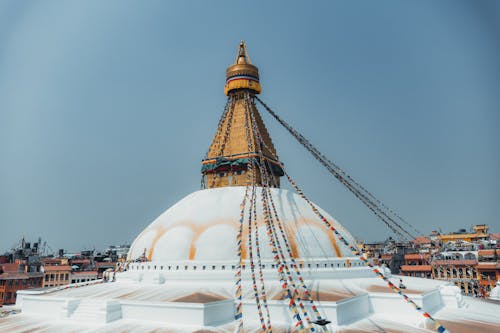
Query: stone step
96, 310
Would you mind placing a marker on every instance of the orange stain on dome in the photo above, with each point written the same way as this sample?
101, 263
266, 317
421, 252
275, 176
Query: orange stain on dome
160, 231
308, 222
334, 243
198, 230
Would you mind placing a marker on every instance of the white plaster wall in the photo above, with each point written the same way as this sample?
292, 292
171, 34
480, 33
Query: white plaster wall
352, 309
152, 272
432, 301
219, 312
339, 313
49, 307
394, 306
180, 313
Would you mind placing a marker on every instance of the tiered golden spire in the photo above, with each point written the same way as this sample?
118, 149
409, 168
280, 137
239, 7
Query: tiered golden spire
231, 150
242, 75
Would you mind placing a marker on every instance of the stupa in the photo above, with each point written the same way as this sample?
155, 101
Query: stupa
245, 255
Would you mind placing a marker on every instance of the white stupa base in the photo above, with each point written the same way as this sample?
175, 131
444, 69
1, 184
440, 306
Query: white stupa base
181, 301
100, 312
97, 311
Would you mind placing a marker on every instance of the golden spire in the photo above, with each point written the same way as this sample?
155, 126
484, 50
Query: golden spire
242, 75
231, 149
243, 57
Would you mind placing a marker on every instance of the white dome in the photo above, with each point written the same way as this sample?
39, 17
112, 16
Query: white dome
203, 226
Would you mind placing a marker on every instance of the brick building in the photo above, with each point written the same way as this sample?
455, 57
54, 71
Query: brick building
418, 265
83, 276
55, 276
488, 268
462, 272
17, 276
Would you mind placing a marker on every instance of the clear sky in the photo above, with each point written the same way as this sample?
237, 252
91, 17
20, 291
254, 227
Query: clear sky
107, 108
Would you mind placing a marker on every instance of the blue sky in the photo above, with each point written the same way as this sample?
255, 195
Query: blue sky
107, 108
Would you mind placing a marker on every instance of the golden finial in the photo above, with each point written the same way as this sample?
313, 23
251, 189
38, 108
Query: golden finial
243, 57
242, 75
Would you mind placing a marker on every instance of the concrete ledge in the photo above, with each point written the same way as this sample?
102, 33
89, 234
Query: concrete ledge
94, 310
104, 311
339, 313
390, 303
49, 307
43, 291
202, 314
163, 276
353, 309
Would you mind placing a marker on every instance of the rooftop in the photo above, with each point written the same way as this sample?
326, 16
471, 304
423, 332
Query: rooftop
417, 256
55, 268
84, 272
488, 265
421, 240
10, 267
455, 262
19, 275
490, 252
416, 268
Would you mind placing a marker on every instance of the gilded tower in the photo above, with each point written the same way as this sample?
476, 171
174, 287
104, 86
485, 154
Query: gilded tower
234, 145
